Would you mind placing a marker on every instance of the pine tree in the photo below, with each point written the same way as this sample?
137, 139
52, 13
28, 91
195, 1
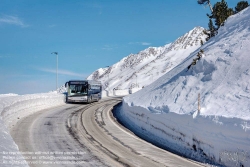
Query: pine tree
212, 28
206, 32
212, 31
199, 55
240, 6
230, 12
220, 13
202, 42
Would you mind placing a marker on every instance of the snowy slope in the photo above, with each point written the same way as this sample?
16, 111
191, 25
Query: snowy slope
167, 110
140, 70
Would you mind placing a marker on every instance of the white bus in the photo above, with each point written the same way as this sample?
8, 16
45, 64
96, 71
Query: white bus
83, 91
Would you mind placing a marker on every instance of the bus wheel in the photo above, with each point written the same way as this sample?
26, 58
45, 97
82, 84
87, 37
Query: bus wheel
90, 99
97, 98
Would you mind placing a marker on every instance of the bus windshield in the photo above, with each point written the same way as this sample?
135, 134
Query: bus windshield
78, 89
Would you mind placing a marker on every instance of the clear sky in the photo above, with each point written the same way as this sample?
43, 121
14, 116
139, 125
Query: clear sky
87, 34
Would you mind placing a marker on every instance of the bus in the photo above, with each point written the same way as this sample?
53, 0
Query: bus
83, 91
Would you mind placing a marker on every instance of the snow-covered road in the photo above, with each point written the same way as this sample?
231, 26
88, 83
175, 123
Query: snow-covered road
85, 135
45, 136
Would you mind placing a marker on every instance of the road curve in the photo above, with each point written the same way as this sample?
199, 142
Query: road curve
86, 135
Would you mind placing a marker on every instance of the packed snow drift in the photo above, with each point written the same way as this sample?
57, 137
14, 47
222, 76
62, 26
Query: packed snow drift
202, 112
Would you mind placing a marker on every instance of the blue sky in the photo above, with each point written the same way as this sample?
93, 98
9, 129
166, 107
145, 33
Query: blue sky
87, 34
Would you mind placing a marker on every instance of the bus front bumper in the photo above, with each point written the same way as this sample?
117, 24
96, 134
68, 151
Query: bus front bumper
77, 99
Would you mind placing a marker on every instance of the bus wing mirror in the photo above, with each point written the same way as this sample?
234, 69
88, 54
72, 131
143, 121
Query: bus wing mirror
89, 86
66, 84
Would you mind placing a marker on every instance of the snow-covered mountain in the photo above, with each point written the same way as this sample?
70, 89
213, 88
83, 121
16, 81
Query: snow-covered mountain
203, 112
140, 70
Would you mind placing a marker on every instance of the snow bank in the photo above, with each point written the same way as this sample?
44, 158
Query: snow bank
167, 110
9, 94
107, 93
14, 107
214, 140
123, 92
131, 91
